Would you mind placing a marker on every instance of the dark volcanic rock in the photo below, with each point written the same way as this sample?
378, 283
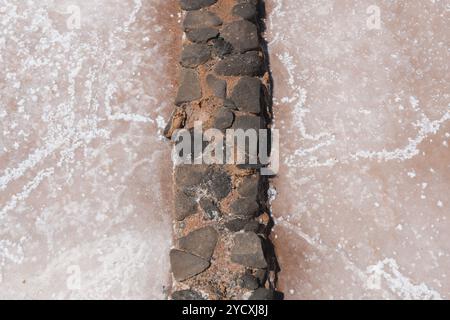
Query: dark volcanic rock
201, 242
185, 205
190, 88
261, 275
248, 251
252, 226
185, 265
196, 4
190, 175
262, 294
247, 64
224, 119
221, 48
236, 225
186, 295
245, 10
210, 208
249, 187
249, 282
246, 207
228, 103
218, 86
242, 34
248, 122
218, 183
202, 35
247, 95
201, 19
194, 55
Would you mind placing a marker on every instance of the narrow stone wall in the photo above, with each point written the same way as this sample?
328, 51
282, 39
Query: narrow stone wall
222, 226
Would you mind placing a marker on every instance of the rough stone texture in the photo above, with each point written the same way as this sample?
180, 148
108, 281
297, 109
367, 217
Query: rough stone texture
201, 19
248, 251
242, 34
221, 48
217, 86
218, 183
185, 265
210, 208
245, 10
202, 35
196, 4
190, 88
194, 55
224, 119
247, 95
201, 242
249, 187
249, 282
185, 205
262, 294
186, 295
248, 122
247, 64
236, 225
244, 207
252, 226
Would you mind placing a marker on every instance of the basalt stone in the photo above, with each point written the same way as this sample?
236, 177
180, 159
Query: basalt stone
218, 183
224, 119
247, 95
220, 48
202, 35
249, 187
242, 34
190, 87
245, 11
185, 205
201, 242
236, 225
262, 294
210, 208
187, 295
217, 86
228, 103
247, 122
252, 226
247, 64
196, 4
194, 55
261, 275
201, 19
253, 2
186, 265
249, 282
246, 207
190, 175
248, 251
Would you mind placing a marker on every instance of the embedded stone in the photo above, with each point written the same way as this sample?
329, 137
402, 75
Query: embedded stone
245, 11
242, 34
218, 86
249, 282
186, 295
228, 103
186, 265
190, 88
185, 205
261, 275
201, 242
224, 119
196, 4
247, 122
202, 35
210, 208
262, 294
249, 187
246, 207
189, 175
194, 55
221, 48
218, 183
247, 64
248, 251
252, 226
247, 95
201, 19
236, 225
